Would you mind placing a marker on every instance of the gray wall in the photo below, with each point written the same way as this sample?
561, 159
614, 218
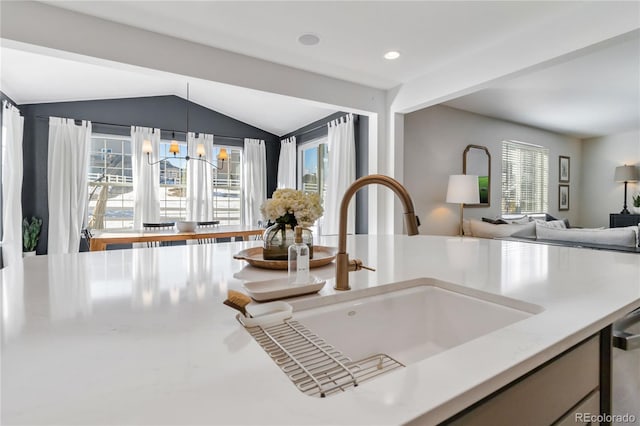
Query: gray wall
600, 195
165, 112
361, 130
435, 139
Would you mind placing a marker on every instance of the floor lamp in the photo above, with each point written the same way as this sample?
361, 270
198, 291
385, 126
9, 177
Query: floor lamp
626, 174
463, 189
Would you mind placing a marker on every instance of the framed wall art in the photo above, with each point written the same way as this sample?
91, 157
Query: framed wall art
564, 169
563, 197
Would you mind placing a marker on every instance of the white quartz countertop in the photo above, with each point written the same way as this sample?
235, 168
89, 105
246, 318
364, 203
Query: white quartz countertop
141, 336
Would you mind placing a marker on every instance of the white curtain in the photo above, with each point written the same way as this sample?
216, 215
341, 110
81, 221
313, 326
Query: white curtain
68, 164
146, 178
342, 173
254, 180
12, 127
200, 179
287, 163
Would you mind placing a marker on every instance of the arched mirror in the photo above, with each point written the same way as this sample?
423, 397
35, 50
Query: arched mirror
476, 160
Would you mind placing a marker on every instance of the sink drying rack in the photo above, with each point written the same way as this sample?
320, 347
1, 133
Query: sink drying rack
314, 366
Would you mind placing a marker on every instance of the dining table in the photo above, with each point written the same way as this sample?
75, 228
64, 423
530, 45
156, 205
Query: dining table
100, 239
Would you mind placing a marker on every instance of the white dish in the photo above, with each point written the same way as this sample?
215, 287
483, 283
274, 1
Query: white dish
265, 314
186, 226
280, 288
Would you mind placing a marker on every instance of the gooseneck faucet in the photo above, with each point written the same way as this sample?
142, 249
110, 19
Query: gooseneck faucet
343, 264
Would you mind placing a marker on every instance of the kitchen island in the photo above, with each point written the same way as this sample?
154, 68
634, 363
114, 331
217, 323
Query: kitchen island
141, 336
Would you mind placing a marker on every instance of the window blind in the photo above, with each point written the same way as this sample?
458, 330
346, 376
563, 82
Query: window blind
525, 178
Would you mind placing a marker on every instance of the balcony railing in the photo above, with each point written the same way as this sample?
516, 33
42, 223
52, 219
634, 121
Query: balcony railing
95, 177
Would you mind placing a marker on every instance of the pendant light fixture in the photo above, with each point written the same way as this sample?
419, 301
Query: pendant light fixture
174, 148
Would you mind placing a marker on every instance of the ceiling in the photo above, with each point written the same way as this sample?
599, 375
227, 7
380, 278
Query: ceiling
28, 77
594, 94
591, 95
354, 35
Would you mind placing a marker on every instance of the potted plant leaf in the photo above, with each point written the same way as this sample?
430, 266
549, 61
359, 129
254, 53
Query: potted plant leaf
30, 233
635, 205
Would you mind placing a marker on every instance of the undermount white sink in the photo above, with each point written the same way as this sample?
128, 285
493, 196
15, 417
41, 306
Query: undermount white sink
413, 320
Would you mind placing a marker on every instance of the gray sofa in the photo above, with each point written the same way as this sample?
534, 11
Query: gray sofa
556, 232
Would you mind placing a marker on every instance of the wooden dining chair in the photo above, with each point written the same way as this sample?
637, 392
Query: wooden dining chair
147, 226
86, 235
262, 225
209, 224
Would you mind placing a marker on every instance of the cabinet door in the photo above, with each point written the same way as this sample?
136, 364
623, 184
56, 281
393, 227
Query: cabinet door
544, 396
590, 405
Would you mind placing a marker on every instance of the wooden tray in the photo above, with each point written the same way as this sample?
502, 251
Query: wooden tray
321, 256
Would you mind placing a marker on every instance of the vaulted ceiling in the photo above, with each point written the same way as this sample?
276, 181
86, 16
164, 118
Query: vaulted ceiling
29, 77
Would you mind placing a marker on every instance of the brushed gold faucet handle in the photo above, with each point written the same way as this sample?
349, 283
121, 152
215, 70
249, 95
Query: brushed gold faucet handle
356, 265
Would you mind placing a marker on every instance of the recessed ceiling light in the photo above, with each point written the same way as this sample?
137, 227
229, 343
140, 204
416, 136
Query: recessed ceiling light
391, 55
309, 39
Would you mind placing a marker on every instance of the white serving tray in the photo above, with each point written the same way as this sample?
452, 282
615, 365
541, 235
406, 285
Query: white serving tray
265, 314
280, 288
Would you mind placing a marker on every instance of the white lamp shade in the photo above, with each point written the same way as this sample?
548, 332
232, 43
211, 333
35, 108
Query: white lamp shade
463, 189
146, 147
200, 150
626, 174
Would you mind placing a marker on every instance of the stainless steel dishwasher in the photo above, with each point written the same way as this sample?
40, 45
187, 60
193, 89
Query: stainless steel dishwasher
626, 366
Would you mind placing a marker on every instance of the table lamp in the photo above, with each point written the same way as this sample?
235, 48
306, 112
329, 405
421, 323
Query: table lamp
463, 189
626, 174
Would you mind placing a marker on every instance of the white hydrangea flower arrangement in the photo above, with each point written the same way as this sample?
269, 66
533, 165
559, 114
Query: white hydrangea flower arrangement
292, 207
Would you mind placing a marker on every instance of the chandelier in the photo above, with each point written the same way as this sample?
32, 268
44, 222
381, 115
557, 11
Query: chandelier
174, 148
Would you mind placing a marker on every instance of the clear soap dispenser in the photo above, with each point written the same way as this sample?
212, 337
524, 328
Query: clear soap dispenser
298, 259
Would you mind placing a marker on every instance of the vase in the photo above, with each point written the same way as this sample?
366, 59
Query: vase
277, 239
635, 210
28, 253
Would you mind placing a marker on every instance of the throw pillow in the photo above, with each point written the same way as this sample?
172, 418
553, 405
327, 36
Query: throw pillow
636, 230
494, 221
553, 224
550, 218
482, 229
527, 230
626, 237
521, 221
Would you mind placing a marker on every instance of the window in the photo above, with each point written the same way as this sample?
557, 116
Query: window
173, 183
110, 182
313, 160
525, 175
226, 185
